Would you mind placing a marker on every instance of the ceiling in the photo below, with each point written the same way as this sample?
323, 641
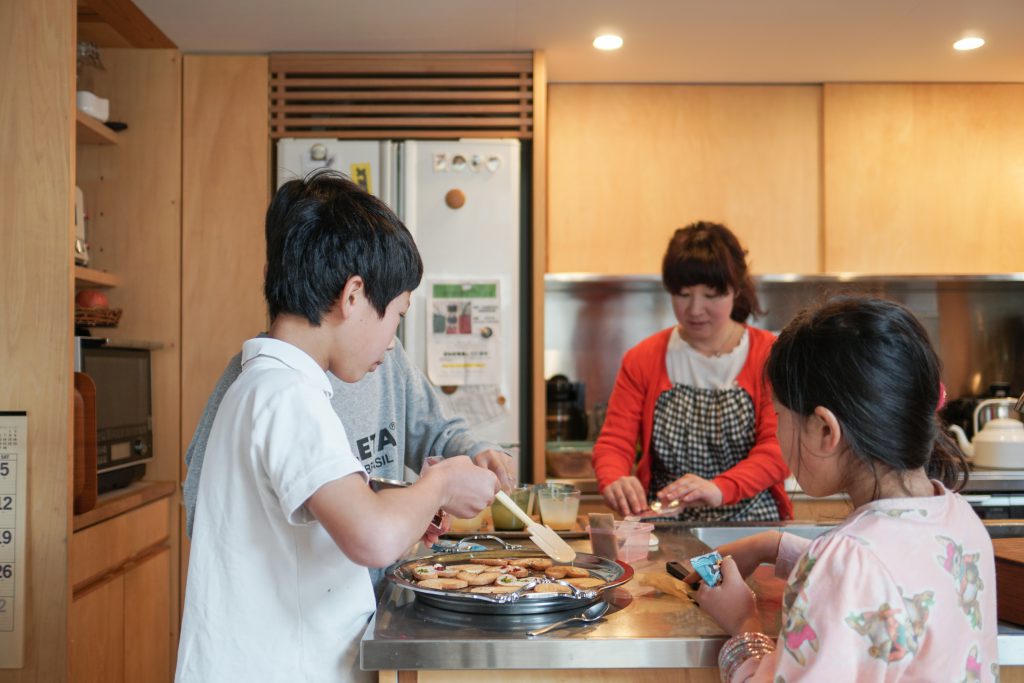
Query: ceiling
683, 41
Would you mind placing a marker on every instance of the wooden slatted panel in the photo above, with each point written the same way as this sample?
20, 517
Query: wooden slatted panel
401, 95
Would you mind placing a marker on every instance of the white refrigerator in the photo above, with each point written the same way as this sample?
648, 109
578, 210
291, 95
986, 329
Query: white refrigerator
461, 199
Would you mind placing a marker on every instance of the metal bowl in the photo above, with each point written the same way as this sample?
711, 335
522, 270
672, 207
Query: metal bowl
614, 573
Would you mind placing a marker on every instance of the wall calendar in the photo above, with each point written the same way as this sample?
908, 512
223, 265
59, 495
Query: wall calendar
13, 539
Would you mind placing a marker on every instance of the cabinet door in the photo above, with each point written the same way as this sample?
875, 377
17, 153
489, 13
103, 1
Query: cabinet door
147, 619
97, 634
923, 178
628, 164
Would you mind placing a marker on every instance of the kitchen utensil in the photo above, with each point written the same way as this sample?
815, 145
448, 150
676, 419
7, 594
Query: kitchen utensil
999, 445
657, 505
546, 539
657, 511
565, 419
613, 573
466, 544
593, 613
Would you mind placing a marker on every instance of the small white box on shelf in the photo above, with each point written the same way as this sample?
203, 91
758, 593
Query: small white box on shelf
94, 106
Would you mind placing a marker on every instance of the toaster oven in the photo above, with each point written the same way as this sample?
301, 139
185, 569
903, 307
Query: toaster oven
124, 423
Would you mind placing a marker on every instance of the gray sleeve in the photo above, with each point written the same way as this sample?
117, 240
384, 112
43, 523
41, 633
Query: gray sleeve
197, 447
428, 430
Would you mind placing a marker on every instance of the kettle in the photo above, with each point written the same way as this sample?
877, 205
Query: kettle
1000, 444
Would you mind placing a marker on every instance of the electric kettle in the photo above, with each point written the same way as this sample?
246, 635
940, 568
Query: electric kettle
999, 444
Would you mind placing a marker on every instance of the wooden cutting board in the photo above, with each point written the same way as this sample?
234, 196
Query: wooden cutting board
1010, 579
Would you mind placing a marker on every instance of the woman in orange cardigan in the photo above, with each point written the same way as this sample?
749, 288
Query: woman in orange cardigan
694, 397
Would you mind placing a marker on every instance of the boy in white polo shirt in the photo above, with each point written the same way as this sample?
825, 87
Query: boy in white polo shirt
286, 525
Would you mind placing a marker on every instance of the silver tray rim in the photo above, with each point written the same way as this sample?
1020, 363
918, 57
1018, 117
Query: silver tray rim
615, 572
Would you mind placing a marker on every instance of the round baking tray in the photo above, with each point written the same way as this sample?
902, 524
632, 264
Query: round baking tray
614, 573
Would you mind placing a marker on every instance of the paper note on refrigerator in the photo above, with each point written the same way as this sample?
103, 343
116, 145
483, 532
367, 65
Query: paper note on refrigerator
464, 332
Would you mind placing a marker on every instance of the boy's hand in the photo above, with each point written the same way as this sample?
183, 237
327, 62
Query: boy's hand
498, 462
748, 553
468, 489
731, 603
626, 496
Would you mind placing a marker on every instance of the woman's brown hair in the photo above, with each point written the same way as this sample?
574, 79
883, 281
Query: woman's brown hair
705, 253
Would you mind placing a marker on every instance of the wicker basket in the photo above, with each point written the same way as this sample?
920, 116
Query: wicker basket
97, 317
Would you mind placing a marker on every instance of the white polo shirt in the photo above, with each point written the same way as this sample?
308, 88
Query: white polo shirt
270, 596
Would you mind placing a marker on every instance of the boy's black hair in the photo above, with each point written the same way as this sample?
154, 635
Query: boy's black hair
869, 361
323, 230
705, 253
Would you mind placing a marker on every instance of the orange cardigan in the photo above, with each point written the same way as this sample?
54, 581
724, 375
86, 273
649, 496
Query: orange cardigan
643, 377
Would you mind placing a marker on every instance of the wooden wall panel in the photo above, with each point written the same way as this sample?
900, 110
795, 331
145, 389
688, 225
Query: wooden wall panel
631, 163
923, 178
36, 197
226, 187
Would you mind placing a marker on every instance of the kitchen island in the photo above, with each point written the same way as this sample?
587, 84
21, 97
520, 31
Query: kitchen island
651, 627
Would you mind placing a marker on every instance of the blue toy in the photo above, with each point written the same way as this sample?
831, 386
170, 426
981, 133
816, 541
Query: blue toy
709, 567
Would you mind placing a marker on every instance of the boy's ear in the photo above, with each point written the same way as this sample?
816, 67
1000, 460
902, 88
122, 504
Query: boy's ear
827, 433
350, 295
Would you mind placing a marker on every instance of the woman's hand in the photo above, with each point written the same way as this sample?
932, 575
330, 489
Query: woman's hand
748, 553
692, 491
731, 603
626, 495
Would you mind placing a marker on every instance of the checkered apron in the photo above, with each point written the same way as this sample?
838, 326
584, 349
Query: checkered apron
705, 432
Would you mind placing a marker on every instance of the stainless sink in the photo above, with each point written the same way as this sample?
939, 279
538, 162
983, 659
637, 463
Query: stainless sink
714, 536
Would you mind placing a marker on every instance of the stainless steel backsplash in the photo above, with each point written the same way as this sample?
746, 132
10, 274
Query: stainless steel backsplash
976, 323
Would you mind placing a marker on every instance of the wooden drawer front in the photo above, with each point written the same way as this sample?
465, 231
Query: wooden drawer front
104, 547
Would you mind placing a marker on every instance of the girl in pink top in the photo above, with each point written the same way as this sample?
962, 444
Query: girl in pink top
904, 588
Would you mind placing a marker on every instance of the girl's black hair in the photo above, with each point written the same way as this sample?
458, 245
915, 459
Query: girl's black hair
320, 232
869, 361
709, 254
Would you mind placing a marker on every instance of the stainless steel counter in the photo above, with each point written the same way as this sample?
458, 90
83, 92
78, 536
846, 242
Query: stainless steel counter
646, 627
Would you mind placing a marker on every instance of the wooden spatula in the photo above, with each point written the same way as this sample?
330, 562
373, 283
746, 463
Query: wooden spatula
553, 545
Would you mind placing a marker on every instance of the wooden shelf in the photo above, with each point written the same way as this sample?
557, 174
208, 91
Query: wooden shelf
87, 277
119, 501
92, 131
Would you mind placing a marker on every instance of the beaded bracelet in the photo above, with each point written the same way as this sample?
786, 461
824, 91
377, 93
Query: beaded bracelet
739, 649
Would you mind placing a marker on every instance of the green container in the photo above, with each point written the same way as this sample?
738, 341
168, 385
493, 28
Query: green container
504, 519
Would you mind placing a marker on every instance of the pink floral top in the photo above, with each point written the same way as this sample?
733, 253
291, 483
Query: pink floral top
902, 590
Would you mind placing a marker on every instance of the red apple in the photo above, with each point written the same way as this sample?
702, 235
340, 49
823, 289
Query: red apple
92, 298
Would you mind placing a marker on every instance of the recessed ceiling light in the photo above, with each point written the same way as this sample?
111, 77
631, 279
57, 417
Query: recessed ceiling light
608, 42
968, 43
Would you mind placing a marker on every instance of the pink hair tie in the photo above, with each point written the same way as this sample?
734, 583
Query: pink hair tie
942, 397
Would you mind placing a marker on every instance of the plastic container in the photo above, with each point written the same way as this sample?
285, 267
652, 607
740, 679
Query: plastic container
96, 107
632, 540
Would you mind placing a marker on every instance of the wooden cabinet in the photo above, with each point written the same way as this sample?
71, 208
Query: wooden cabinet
97, 633
628, 164
122, 622
923, 178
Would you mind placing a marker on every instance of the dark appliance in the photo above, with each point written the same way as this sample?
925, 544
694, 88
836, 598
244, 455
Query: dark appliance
566, 417
124, 422
960, 411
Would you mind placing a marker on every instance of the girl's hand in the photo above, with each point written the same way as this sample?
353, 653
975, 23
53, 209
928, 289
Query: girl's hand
748, 553
731, 603
692, 491
626, 495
